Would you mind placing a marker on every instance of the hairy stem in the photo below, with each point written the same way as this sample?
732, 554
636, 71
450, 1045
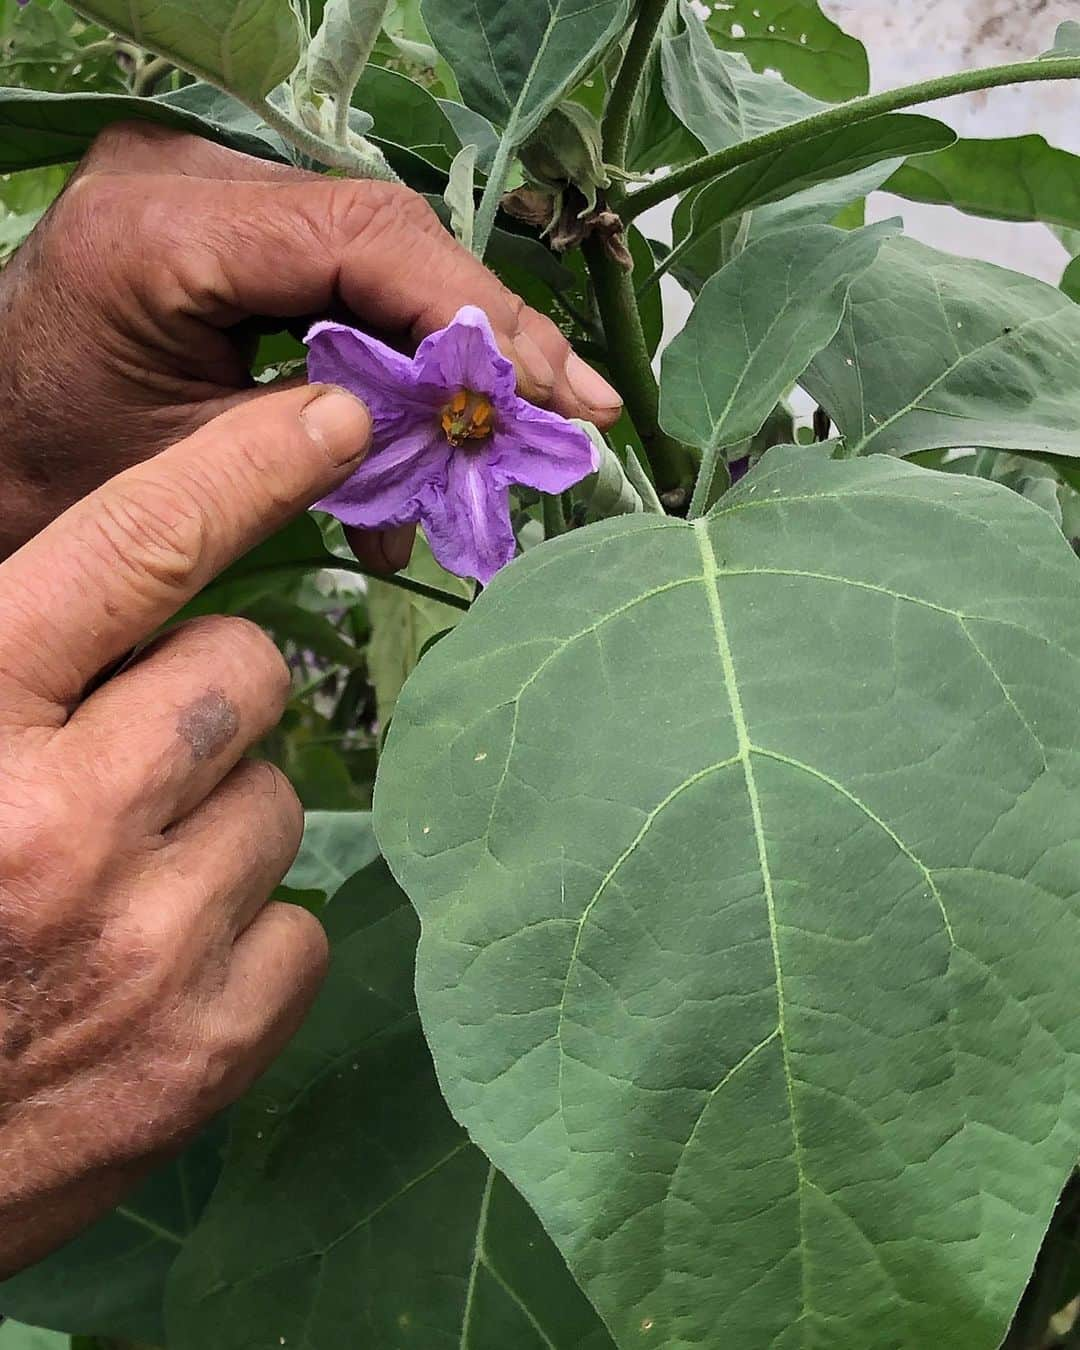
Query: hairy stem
150, 75
710, 461
629, 361
359, 159
493, 194
620, 109
842, 115
554, 516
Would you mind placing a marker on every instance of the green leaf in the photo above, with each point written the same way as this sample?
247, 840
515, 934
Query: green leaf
406, 117
807, 185
403, 624
795, 38
14, 1336
937, 351
341, 48
460, 195
1016, 178
1070, 281
110, 1281
1066, 41
734, 993
755, 328
472, 129
352, 1210
515, 62
717, 96
245, 46
337, 845
40, 128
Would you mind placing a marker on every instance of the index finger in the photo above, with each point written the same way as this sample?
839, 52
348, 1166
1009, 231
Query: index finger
121, 562
376, 248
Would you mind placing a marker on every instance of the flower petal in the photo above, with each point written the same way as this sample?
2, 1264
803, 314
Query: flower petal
467, 522
465, 356
368, 368
388, 487
541, 450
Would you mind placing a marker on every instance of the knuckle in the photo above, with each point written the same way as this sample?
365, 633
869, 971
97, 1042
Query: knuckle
227, 639
371, 211
302, 940
278, 807
48, 839
154, 530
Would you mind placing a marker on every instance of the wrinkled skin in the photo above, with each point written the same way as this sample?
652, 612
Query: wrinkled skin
145, 980
129, 315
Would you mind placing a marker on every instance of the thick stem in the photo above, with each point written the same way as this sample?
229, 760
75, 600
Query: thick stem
620, 109
842, 115
493, 194
629, 361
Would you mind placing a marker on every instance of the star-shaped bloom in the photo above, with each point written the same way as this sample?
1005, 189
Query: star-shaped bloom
450, 435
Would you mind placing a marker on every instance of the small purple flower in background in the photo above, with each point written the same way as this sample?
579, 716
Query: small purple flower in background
450, 436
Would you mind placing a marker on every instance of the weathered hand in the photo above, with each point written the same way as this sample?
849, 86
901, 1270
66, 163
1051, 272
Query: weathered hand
128, 316
144, 978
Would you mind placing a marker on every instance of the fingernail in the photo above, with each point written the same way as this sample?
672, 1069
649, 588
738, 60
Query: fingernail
397, 545
339, 422
589, 387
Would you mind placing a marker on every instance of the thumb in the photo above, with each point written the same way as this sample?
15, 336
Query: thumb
121, 562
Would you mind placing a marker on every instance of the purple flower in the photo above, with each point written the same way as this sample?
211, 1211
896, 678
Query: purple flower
450, 436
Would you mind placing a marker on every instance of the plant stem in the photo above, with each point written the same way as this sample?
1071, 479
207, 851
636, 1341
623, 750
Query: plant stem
341, 121
493, 193
359, 160
150, 75
703, 487
629, 361
842, 115
336, 564
620, 109
554, 517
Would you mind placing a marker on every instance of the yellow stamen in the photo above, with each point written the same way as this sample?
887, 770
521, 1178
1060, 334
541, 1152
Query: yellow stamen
467, 417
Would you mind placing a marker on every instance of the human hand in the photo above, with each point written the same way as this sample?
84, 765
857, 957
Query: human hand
144, 979
129, 314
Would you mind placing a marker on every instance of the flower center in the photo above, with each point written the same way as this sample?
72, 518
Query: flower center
467, 417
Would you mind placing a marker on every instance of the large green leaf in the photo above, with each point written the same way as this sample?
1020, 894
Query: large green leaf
756, 327
352, 1210
514, 62
836, 168
110, 1281
938, 351
749, 886
717, 96
795, 38
40, 128
245, 46
1016, 178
